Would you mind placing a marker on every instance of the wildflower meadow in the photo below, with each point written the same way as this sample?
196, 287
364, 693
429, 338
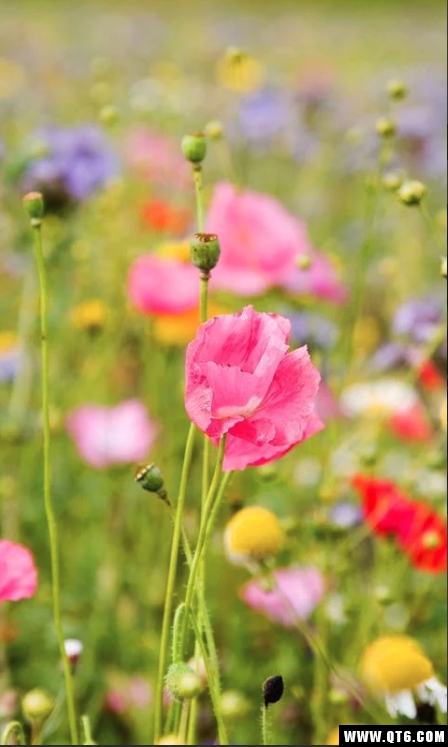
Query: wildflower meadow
223, 350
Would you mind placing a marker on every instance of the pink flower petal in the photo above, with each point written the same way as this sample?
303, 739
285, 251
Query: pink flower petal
162, 286
294, 596
18, 573
105, 436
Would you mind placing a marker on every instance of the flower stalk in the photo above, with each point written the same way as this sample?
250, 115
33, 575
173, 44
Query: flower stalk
48, 501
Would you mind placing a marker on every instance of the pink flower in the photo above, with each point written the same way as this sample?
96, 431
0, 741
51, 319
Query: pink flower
241, 380
105, 436
320, 280
18, 574
158, 158
260, 245
162, 286
295, 593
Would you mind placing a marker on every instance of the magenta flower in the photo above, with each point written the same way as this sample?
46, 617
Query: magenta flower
162, 286
261, 244
105, 436
157, 158
241, 380
294, 594
18, 574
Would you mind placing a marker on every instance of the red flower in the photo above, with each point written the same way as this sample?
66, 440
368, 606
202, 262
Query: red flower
423, 538
385, 507
429, 377
162, 216
420, 532
411, 424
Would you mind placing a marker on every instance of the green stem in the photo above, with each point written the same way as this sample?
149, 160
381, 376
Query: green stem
22, 383
10, 729
197, 177
194, 707
49, 509
214, 496
183, 728
265, 726
213, 683
174, 555
88, 739
430, 225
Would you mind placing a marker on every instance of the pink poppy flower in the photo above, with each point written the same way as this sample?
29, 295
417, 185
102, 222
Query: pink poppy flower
159, 285
260, 246
105, 436
18, 574
241, 380
157, 158
294, 594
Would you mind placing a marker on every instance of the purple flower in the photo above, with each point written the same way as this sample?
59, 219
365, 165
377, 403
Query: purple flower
75, 162
265, 115
417, 319
346, 515
390, 355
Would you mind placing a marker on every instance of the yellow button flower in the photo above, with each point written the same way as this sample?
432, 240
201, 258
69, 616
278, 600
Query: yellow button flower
169, 739
443, 415
8, 340
396, 667
333, 737
239, 72
90, 315
254, 534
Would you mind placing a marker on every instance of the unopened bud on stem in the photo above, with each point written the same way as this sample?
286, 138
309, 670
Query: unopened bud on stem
194, 147
411, 192
33, 202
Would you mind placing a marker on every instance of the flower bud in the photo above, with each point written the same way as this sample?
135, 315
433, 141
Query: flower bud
392, 181
194, 147
385, 127
37, 705
214, 130
272, 689
108, 115
169, 739
411, 192
397, 90
73, 649
182, 682
150, 478
205, 251
304, 262
443, 267
33, 202
234, 704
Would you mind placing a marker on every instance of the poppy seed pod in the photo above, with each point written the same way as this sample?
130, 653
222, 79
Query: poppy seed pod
205, 251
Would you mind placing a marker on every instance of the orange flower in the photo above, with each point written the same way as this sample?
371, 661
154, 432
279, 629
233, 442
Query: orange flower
162, 216
179, 329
